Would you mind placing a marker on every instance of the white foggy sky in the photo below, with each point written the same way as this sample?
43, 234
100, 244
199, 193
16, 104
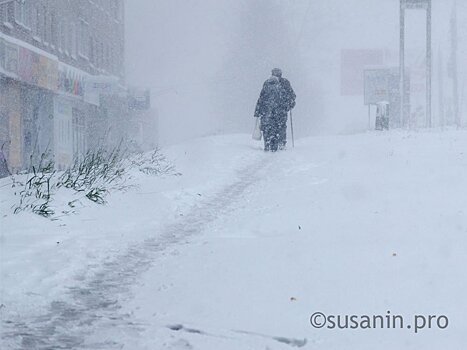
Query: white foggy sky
178, 48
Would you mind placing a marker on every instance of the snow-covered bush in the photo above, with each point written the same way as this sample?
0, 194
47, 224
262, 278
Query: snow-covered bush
96, 173
35, 187
91, 177
154, 163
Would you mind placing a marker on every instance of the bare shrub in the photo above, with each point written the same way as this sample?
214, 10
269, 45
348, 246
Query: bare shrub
95, 175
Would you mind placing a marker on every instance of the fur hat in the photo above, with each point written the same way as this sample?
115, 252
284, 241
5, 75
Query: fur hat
277, 72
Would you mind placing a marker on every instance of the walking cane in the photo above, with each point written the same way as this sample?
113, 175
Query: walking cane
291, 130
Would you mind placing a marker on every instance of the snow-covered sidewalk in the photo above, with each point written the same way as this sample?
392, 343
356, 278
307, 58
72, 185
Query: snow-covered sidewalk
241, 250
351, 225
40, 260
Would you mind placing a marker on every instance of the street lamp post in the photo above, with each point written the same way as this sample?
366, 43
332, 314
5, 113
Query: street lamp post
402, 64
423, 5
429, 68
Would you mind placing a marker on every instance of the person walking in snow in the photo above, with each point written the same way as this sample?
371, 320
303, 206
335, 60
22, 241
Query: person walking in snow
276, 100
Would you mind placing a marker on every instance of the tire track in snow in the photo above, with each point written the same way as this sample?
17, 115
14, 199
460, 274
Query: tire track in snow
98, 298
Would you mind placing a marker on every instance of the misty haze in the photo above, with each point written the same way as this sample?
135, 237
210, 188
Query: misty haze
233, 174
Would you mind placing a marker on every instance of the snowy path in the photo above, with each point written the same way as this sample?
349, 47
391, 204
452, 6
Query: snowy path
360, 224
95, 297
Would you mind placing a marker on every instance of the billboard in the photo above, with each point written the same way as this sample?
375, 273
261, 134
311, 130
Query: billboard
353, 63
383, 85
37, 69
71, 80
28, 64
376, 86
139, 99
98, 85
415, 4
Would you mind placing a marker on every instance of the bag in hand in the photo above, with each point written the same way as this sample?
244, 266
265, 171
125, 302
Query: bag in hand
257, 134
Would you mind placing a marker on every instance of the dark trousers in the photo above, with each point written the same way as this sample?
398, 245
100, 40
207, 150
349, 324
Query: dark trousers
271, 138
274, 132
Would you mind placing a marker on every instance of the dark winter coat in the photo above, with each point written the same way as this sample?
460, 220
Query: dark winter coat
277, 98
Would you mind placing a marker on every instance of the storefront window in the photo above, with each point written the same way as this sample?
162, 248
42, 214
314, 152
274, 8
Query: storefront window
23, 13
4, 18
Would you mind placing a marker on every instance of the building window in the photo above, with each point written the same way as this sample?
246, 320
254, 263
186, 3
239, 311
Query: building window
84, 40
63, 37
45, 28
101, 55
91, 49
112, 59
4, 13
2, 55
37, 22
23, 13
107, 56
53, 30
72, 40
116, 9
11, 58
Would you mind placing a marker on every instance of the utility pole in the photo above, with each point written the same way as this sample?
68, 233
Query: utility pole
441, 89
429, 68
424, 5
402, 63
454, 66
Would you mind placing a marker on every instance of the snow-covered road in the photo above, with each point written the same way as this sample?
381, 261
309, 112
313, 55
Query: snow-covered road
241, 250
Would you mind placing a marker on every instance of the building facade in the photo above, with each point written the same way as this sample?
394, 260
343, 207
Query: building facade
62, 78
